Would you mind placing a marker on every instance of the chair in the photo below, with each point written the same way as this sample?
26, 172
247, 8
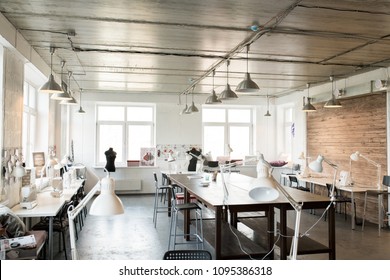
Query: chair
340, 199
60, 224
159, 205
187, 255
77, 198
293, 180
175, 210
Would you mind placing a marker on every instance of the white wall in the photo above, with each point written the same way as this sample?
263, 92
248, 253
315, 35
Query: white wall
171, 128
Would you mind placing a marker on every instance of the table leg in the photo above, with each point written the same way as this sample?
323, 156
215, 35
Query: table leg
186, 215
283, 232
380, 219
364, 210
332, 233
218, 232
271, 230
169, 202
311, 189
353, 217
50, 238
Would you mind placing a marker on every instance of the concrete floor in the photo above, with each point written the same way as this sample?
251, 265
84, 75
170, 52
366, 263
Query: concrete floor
132, 236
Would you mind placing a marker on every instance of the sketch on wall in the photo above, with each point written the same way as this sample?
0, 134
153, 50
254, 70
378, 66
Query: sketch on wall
178, 151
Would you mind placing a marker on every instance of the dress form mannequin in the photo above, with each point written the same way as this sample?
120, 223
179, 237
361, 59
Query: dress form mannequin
110, 157
193, 160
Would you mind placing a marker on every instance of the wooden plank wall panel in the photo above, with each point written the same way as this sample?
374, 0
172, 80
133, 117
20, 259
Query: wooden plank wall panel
360, 125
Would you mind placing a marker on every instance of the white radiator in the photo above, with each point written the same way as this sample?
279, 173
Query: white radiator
127, 185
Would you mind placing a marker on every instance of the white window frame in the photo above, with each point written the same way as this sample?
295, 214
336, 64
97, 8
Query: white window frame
28, 132
287, 137
124, 124
226, 124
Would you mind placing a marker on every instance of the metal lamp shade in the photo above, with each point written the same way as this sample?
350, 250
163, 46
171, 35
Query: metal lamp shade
354, 156
213, 99
71, 101
51, 86
317, 164
247, 85
227, 94
333, 103
18, 171
308, 107
264, 189
107, 203
192, 108
81, 111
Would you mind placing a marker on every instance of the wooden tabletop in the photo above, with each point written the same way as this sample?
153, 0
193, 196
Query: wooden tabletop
238, 186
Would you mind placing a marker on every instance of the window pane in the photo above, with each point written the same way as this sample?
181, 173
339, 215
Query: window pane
25, 94
213, 115
214, 140
111, 113
31, 140
25, 136
287, 141
239, 115
288, 115
31, 98
110, 136
140, 114
139, 136
239, 141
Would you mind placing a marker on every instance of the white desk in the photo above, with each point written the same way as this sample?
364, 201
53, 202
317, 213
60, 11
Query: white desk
322, 181
381, 210
48, 206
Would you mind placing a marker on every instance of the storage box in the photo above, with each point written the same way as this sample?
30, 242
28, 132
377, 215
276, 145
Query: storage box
133, 163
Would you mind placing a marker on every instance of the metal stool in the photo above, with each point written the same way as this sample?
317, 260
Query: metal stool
187, 255
159, 203
173, 235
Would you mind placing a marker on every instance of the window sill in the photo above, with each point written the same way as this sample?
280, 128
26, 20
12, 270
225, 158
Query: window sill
129, 167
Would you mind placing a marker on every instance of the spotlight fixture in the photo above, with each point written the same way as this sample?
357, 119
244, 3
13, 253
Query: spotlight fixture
308, 107
51, 85
247, 85
213, 98
333, 102
227, 93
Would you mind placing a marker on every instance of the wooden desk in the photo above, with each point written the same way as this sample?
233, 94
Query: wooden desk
239, 201
48, 206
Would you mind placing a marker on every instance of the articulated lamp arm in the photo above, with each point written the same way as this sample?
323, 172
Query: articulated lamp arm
72, 214
355, 156
378, 170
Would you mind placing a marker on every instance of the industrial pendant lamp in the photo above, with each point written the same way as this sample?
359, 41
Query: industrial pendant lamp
333, 102
308, 107
247, 85
192, 108
185, 110
227, 93
64, 95
51, 85
213, 98
81, 111
268, 113
70, 101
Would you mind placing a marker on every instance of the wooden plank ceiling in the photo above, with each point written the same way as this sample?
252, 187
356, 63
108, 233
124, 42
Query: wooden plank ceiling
169, 46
